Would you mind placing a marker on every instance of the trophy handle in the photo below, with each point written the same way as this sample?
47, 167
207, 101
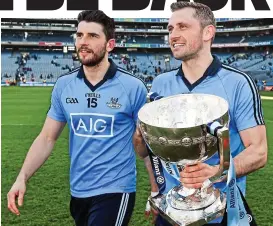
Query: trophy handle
222, 134
152, 96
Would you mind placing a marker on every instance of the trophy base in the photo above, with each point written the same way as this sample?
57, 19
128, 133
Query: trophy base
182, 198
188, 217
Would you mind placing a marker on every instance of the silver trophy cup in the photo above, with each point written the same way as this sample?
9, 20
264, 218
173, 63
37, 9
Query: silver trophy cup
186, 129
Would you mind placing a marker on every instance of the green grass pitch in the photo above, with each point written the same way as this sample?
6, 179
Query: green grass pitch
47, 198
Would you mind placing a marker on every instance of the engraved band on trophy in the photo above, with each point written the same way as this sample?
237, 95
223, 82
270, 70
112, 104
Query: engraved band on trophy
186, 129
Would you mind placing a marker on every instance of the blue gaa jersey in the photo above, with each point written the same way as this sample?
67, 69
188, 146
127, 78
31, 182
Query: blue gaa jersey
102, 120
236, 87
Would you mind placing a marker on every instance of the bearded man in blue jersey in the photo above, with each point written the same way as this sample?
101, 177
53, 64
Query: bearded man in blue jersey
191, 32
100, 102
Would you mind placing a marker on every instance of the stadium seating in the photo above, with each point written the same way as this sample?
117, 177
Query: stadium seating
8, 65
50, 65
144, 39
144, 63
228, 39
36, 38
260, 38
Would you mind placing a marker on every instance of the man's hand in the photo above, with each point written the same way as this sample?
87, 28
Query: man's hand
193, 176
38, 153
149, 210
17, 191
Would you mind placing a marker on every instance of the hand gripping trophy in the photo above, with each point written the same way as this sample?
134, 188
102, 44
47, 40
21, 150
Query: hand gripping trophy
186, 129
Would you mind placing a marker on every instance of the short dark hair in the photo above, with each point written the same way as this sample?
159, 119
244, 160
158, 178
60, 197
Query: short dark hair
97, 16
202, 12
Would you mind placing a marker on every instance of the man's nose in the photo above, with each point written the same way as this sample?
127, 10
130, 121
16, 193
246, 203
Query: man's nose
83, 41
174, 35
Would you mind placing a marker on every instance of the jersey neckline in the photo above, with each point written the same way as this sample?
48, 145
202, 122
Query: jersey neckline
212, 70
111, 72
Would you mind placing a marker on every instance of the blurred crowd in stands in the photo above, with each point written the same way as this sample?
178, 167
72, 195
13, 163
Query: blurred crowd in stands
47, 67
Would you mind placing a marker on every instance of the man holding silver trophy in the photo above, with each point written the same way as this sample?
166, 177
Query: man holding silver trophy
206, 133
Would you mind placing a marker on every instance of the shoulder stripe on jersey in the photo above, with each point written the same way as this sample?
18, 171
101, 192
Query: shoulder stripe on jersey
122, 209
128, 73
124, 71
256, 100
70, 72
175, 69
171, 70
255, 93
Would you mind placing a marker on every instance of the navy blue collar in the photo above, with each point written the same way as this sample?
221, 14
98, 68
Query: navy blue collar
111, 72
212, 70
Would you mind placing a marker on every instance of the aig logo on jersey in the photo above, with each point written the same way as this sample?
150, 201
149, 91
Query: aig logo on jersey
92, 124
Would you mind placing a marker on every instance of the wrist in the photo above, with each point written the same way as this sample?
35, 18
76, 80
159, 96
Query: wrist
154, 187
154, 193
215, 168
22, 178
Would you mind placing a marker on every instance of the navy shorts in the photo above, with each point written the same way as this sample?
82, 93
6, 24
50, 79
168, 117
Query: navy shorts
113, 209
160, 221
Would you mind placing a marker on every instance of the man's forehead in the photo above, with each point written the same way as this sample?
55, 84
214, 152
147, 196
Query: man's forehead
182, 15
85, 26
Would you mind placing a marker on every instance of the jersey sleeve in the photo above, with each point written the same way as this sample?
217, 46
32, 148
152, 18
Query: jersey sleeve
248, 110
56, 110
139, 100
156, 86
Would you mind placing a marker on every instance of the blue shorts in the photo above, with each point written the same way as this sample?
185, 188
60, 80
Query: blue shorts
113, 209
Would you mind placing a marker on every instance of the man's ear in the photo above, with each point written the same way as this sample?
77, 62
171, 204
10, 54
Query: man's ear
209, 33
110, 45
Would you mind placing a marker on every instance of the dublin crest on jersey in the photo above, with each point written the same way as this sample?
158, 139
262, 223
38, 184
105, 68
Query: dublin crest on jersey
113, 103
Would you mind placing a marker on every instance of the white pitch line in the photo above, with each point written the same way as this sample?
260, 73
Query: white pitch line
20, 125
266, 98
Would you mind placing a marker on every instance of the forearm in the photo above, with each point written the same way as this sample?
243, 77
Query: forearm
251, 159
148, 164
141, 150
140, 145
38, 153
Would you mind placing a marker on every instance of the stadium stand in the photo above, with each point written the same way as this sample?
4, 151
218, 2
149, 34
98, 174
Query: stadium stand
42, 50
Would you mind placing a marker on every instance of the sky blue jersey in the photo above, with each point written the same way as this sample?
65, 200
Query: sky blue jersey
101, 120
236, 87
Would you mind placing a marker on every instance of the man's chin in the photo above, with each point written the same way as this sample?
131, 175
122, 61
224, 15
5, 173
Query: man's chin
89, 64
184, 57
86, 61
91, 61
178, 56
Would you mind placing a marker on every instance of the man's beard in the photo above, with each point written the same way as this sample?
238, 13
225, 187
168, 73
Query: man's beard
95, 59
190, 54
